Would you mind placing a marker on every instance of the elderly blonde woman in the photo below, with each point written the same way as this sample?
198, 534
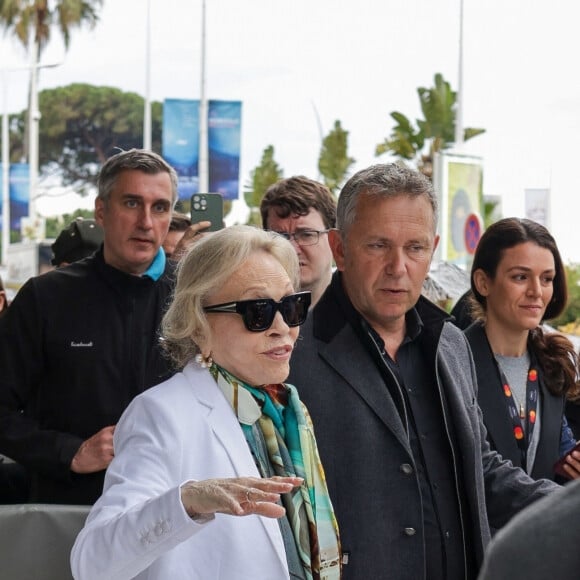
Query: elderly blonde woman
216, 472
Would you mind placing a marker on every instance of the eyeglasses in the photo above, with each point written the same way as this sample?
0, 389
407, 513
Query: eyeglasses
304, 237
258, 315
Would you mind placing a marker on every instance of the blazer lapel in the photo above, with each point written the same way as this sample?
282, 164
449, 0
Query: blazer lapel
223, 422
228, 432
348, 356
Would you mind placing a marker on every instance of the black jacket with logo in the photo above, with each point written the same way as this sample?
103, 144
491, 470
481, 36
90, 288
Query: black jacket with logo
76, 346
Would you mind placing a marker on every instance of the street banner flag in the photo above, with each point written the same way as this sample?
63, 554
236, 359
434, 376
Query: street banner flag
224, 140
180, 146
19, 194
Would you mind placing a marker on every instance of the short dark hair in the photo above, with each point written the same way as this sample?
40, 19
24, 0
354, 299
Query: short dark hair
133, 159
297, 196
507, 233
179, 222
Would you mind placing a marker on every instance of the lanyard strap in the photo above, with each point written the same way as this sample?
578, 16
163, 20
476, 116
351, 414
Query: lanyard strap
524, 418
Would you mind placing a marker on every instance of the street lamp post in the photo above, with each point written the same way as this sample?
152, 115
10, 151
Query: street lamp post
33, 127
34, 115
33, 123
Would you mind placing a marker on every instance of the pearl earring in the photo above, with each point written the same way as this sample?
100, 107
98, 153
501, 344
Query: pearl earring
203, 361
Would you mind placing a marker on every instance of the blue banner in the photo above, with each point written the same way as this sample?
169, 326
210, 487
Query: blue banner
224, 139
180, 146
18, 185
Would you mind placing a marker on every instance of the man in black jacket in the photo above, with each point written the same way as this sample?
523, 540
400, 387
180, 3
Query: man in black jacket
80, 342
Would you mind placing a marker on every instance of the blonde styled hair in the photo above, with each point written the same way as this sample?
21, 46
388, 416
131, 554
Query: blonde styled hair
203, 271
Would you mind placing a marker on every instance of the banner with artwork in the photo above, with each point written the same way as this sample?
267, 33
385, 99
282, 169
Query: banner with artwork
181, 145
18, 187
459, 181
538, 206
224, 140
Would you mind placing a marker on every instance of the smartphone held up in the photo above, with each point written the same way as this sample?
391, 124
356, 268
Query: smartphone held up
208, 207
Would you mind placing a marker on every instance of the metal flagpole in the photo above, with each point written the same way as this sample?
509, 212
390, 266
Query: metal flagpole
33, 123
5, 174
459, 100
34, 114
147, 138
203, 166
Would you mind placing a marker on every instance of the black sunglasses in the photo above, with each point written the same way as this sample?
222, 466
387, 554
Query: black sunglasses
258, 315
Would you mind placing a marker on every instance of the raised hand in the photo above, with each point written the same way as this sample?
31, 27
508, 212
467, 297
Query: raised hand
237, 496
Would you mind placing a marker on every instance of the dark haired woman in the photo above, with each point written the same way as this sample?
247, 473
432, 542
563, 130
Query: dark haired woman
524, 374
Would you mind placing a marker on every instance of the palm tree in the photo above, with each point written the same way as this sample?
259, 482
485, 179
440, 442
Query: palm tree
35, 19
436, 130
32, 21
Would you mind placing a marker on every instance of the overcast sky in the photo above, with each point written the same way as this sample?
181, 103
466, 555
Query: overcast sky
290, 62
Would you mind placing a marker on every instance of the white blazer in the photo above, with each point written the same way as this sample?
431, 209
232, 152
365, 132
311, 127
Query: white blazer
181, 430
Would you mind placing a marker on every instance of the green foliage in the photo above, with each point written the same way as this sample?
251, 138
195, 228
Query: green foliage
80, 127
436, 130
54, 225
438, 108
572, 312
261, 177
334, 162
488, 212
404, 141
37, 18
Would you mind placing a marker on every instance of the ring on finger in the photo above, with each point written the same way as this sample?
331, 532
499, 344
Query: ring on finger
248, 493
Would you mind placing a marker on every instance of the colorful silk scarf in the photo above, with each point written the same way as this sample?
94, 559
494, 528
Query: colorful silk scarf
289, 436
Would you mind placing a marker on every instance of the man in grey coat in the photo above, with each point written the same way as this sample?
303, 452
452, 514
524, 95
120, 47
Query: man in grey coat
391, 388
541, 542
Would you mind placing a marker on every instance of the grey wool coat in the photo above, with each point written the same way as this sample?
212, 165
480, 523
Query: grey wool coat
539, 543
366, 453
